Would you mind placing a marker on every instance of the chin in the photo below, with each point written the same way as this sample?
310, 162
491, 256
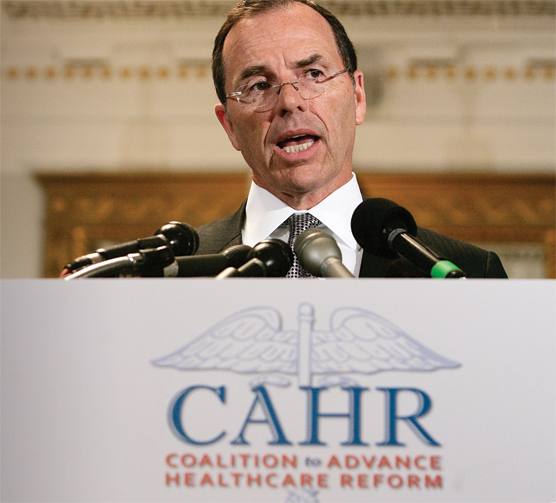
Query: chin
301, 184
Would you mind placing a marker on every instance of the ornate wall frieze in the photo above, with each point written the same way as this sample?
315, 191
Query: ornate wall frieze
86, 211
538, 71
82, 9
103, 72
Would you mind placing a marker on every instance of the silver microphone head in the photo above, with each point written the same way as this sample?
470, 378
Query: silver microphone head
314, 249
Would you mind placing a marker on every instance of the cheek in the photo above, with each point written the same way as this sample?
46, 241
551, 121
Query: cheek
347, 122
250, 136
339, 117
340, 130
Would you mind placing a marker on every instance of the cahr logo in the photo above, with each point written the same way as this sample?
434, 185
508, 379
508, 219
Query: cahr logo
324, 365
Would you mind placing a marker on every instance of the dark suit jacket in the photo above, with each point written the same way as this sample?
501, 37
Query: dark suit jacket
476, 262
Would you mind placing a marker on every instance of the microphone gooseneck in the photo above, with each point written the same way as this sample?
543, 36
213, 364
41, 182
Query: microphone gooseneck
132, 262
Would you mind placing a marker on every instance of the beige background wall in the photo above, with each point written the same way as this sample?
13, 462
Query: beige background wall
126, 87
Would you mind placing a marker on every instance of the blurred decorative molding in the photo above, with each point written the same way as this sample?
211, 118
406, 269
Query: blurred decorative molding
86, 211
85, 71
68, 9
88, 70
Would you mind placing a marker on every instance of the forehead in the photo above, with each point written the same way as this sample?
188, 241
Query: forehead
279, 38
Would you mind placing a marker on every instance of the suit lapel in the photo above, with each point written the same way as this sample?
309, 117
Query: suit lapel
373, 266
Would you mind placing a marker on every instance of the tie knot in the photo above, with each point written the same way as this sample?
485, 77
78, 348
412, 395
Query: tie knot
298, 223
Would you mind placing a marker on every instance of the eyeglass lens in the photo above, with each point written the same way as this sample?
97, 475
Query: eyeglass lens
267, 99
307, 89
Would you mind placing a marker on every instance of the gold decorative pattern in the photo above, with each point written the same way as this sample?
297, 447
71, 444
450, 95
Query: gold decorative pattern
550, 246
104, 72
413, 73
123, 9
85, 211
477, 208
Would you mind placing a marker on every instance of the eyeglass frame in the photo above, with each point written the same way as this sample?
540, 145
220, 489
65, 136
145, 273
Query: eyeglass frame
236, 94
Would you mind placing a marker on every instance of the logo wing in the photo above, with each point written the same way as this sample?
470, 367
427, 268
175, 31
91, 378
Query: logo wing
248, 341
361, 341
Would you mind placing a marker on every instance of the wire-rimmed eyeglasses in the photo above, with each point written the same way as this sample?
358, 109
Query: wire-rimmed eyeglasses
263, 96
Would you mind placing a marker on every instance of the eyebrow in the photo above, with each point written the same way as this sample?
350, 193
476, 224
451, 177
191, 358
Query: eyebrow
308, 61
260, 69
253, 70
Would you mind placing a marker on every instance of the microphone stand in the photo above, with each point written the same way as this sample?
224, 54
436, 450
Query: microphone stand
421, 256
161, 256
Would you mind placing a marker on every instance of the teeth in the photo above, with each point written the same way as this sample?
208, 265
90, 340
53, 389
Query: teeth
299, 148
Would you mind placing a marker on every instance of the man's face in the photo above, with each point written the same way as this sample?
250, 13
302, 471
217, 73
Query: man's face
279, 46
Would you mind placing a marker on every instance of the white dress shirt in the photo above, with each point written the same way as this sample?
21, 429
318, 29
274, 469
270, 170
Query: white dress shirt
266, 214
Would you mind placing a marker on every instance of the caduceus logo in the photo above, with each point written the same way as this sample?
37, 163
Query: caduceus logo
253, 341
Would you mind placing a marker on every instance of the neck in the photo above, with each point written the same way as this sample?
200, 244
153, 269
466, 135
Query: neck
299, 200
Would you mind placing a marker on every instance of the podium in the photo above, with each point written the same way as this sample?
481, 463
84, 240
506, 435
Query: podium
271, 390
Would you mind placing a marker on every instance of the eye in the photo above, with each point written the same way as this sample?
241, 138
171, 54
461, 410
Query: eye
258, 87
314, 74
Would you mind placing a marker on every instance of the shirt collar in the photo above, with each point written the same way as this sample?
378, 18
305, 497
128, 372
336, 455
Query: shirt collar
265, 213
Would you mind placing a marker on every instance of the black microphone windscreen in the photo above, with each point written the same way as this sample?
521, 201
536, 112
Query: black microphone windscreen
183, 238
208, 265
274, 255
372, 222
236, 255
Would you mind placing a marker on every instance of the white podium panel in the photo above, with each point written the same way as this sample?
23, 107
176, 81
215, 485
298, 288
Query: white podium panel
270, 390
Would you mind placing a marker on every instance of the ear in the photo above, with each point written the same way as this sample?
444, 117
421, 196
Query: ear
227, 124
360, 100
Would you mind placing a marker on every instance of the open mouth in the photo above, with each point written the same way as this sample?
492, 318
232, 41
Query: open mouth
297, 143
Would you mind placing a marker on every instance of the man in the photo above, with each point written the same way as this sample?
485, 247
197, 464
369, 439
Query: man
291, 98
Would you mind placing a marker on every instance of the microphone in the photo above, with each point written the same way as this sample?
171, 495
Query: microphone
132, 262
208, 265
181, 238
318, 253
269, 258
386, 229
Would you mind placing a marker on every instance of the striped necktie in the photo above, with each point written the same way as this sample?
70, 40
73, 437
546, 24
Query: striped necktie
298, 223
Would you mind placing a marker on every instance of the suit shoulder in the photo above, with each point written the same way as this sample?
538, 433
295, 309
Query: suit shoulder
473, 260
217, 235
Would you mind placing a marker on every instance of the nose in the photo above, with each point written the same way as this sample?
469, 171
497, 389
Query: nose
289, 98
294, 84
